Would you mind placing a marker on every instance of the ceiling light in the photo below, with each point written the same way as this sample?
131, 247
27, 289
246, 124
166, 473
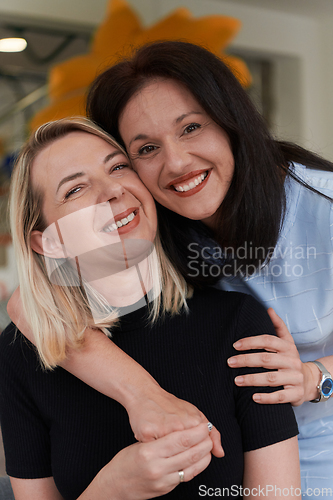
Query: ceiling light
12, 44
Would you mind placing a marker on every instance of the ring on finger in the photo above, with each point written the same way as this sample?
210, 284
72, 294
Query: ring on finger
210, 426
181, 476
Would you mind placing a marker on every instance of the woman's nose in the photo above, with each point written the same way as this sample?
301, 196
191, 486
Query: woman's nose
176, 158
110, 190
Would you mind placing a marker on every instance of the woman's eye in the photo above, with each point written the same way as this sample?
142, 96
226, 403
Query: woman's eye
190, 128
146, 149
72, 191
116, 168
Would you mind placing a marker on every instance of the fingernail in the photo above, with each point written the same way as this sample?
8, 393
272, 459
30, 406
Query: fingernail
232, 362
257, 397
239, 380
237, 344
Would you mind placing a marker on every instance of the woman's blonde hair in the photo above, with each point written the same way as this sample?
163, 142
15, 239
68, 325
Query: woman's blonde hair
59, 315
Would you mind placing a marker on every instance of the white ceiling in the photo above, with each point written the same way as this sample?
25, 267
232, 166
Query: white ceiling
310, 8
78, 11
91, 12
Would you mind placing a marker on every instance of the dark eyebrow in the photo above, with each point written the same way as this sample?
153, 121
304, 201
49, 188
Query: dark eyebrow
177, 120
69, 178
138, 138
185, 115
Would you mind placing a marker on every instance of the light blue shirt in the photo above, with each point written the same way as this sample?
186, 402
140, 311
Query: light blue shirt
298, 284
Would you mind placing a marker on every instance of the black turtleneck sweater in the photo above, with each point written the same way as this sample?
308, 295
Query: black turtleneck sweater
55, 425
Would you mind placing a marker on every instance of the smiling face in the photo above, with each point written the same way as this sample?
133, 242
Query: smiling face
91, 196
182, 156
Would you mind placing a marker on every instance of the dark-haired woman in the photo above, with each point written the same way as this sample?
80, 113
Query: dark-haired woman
239, 209
204, 152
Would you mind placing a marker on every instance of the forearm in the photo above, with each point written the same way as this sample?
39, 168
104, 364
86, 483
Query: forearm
327, 361
99, 363
98, 490
152, 411
106, 368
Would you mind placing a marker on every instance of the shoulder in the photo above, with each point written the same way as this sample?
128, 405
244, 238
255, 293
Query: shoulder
15, 349
240, 313
321, 180
304, 206
8, 339
11, 338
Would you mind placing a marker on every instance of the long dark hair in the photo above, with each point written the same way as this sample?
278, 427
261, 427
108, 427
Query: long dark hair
253, 209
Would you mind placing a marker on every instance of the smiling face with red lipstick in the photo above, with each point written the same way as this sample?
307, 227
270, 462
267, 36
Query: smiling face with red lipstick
91, 195
182, 156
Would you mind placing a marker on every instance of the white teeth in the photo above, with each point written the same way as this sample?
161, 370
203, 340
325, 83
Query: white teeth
192, 184
110, 228
119, 223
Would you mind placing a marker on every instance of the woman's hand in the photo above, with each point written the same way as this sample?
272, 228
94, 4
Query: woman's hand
299, 380
138, 472
148, 470
157, 413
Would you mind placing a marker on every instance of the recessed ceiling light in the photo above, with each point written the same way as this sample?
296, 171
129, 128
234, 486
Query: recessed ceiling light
12, 44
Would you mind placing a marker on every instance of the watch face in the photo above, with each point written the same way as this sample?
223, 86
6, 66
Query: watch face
327, 387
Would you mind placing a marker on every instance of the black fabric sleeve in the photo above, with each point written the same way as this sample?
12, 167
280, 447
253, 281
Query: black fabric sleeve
25, 436
261, 424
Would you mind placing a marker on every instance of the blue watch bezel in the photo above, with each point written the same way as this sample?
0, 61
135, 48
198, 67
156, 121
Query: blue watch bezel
324, 394
325, 377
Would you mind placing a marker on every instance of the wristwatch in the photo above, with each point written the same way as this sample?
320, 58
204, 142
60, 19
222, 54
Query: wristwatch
325, 386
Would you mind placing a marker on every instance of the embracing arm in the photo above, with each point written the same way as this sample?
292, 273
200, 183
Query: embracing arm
37, 489
152, 411
299, 380
273, 471
138, 472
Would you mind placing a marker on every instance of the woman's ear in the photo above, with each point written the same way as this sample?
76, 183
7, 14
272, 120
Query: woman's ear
47, 246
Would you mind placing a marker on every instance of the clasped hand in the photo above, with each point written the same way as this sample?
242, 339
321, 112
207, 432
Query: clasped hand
149, 470
157, 413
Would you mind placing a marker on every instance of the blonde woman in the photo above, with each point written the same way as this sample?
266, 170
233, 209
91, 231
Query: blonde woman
78, 213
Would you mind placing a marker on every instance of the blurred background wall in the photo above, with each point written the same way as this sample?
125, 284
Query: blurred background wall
294, 35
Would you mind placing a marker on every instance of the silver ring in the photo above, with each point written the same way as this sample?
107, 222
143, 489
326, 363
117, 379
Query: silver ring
210, 426
181, 476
